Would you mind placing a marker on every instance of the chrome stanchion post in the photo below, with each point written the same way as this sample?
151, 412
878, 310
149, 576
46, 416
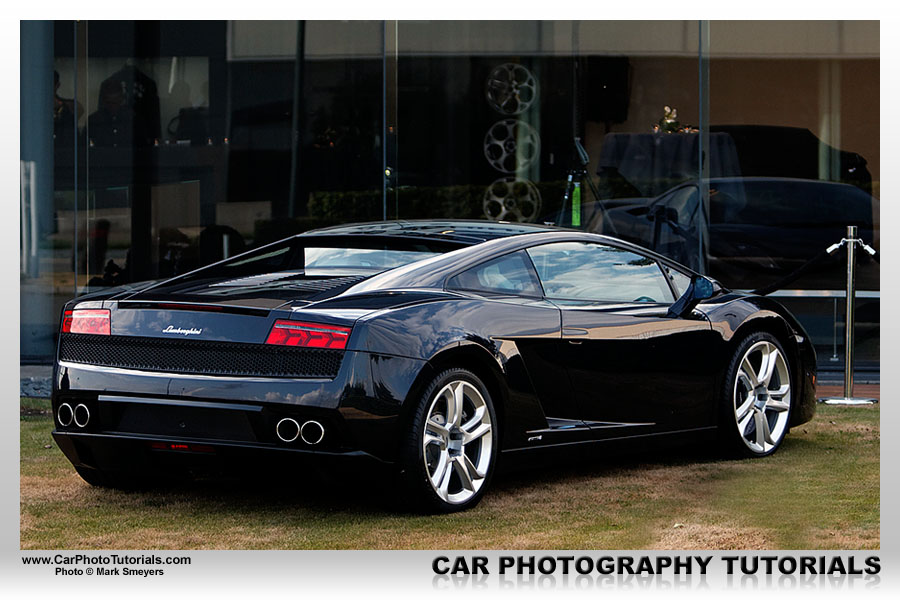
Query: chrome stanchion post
851, 240
850, 317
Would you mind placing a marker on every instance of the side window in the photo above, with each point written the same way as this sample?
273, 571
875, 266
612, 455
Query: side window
511, 275
595, 272
679, 280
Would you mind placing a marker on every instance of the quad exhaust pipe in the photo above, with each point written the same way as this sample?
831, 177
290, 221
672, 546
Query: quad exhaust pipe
81, 415
311, 432
64, 414
287, 430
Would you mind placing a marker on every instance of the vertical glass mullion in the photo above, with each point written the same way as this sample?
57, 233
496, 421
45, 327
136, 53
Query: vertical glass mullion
297, 121
703, 158
81, 213
390, 201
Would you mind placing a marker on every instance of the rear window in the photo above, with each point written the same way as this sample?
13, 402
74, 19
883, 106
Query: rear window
325, 256
361, 258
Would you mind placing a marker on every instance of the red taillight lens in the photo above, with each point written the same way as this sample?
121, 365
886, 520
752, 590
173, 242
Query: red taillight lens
95, 321
308, 335
67, 322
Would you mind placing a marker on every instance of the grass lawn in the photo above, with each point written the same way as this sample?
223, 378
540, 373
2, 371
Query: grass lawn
820, 491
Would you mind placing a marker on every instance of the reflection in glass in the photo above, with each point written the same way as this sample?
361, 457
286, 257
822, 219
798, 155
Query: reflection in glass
511, 274
176, 144
580, 271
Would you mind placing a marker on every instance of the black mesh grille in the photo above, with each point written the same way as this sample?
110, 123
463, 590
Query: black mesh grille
321, 285
198, 357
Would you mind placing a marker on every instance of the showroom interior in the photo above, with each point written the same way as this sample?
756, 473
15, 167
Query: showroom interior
740, 148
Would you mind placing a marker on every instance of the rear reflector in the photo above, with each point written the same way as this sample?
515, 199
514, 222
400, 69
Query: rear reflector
308, 335
182, 447
95, 321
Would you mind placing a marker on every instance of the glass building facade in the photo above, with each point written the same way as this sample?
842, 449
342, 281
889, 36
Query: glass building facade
742, 149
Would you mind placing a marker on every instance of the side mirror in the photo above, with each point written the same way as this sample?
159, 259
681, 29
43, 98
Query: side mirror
703, 288
700, 288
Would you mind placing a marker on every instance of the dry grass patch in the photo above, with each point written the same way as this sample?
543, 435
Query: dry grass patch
63, 488
848, 537
697, 536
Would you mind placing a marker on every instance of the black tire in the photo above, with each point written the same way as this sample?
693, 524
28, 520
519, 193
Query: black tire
745, 444
415, 469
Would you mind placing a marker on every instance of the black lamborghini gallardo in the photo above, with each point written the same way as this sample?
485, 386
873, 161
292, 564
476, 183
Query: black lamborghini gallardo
431, 347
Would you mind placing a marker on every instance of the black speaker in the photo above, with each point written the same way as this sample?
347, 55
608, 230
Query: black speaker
607, 88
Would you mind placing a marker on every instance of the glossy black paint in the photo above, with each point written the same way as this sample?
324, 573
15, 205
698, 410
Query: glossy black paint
559, 374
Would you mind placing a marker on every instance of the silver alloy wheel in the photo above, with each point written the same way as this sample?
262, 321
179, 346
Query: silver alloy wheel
457, 443
762, 397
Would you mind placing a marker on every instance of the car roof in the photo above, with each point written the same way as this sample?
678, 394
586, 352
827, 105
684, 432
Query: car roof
433, 272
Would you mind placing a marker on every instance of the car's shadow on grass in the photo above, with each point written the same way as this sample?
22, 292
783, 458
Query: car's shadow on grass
379, 492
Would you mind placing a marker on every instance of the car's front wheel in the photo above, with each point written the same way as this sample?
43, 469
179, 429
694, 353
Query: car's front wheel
757, 409
452, 446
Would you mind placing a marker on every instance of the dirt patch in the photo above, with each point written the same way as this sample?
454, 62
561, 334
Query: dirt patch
26, 522
227, 538
854, 538
696, 536
838, 424
46, 489
853, 428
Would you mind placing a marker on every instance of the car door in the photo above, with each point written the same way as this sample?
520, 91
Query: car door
630, 365
529, 328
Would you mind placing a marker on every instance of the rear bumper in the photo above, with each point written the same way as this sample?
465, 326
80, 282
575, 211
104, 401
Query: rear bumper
138, 455
360, 411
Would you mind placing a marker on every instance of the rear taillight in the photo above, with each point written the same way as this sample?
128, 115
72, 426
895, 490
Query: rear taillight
308, 335
95, 321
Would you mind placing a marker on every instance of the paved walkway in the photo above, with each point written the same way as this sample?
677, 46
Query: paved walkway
862, 390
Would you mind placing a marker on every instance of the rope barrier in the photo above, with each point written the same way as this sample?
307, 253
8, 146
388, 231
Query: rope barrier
793, 275
805, 267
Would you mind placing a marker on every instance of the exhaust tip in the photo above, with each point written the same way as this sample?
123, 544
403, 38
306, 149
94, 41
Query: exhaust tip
312, 432
287, 430
64, 414
81, 415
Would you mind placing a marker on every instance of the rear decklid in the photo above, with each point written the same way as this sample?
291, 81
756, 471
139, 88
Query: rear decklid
239, 309
278, 311
243, 328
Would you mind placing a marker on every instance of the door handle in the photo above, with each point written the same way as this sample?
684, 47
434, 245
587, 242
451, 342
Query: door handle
567, 331
572, 332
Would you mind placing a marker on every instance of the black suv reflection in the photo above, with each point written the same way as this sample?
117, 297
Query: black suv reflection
759, 228
773, 151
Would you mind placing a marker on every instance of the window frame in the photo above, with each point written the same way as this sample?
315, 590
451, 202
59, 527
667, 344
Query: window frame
659, 266
659, 260
497, 294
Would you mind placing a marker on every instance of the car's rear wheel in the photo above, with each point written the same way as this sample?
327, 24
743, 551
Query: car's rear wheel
757, 410
451, 450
